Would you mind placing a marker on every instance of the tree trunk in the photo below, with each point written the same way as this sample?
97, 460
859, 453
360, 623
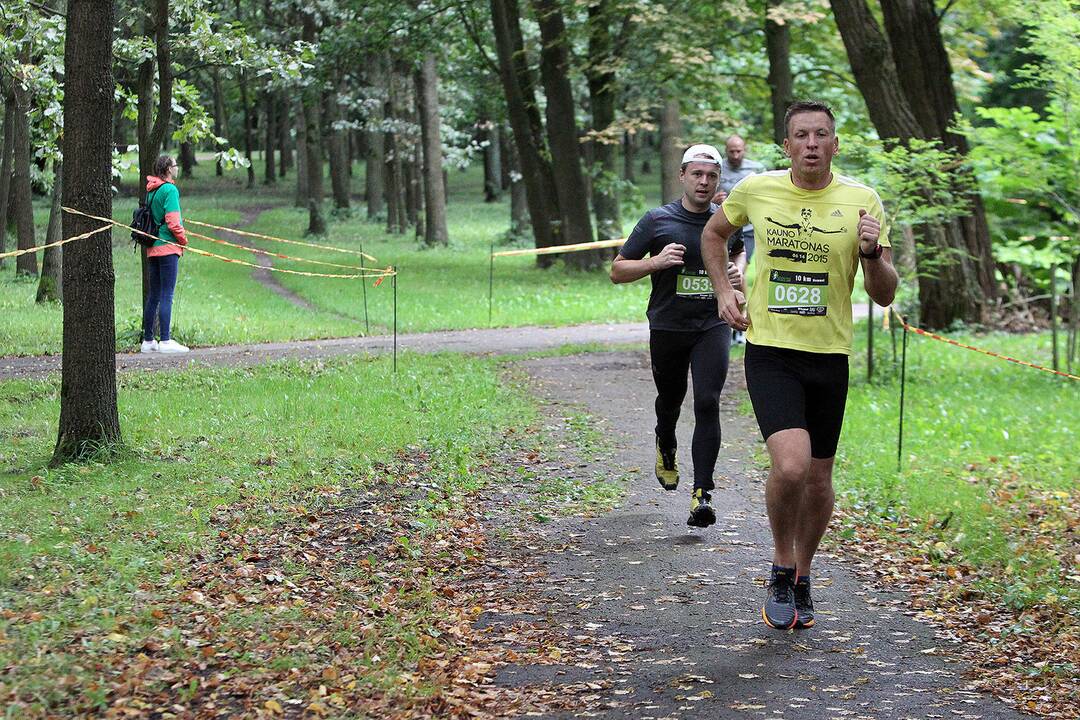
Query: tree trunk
339, 152
219, 117
519, 86
270, 138
601, 79
563, 133
781, 84
519, 205
303, 190
313, 142
413, 194
50, 286
284, 128
493, 170
427, 93
187, 159
670, 149
23, 198
375, 165
89, 419
6, 160
950, 273
249, 134
630, 142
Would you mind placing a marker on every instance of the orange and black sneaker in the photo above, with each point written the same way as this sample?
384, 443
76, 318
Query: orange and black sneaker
779, 609
804, 604
667, 471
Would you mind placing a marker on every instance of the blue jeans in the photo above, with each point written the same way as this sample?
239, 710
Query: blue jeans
163, 271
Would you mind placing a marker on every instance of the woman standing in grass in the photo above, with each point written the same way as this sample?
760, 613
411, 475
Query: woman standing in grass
163, 257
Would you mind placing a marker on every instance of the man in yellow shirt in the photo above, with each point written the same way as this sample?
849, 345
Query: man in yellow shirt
813, 229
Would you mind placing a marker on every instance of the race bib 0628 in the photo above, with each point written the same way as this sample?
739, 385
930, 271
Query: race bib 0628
694, 285
798, 293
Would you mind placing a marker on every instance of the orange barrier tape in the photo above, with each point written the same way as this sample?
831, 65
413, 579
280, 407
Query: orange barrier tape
372, 274
283, 240
934, 336
260, 251
554, 249
16, 253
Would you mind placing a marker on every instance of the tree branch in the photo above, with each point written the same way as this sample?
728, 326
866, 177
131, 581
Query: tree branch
475, 36
827, 71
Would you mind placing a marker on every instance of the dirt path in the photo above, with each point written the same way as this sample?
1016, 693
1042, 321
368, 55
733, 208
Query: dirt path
678, 610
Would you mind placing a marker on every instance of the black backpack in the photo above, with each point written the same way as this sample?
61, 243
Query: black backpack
142, 221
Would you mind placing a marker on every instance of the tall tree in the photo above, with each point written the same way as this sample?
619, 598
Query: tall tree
427, 94
519, 86
50, 286
7, 152
670, 149
89, 419
952, 282
219, 116
312, 98
338, 150
562, 131
600, 72
781, 82
270, 138
20, 183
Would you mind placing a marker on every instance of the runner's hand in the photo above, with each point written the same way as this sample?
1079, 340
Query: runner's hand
734, 275
720, 196
729, 303
670, 256
868, 231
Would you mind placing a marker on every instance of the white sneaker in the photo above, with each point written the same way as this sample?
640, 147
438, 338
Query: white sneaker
171, 346
149, 346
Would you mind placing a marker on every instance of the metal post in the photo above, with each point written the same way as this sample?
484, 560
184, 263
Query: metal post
491, 278
903, 385
870, 341
393, 282
363, 282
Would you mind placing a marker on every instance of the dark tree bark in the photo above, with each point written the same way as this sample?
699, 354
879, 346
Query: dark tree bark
270, 139
23, 197
629, 145
504, 153
563, 133
489, 134
249, 129
6, 160
313, 142
953, 290
187, 159
414, 196
375, 165
519, 206
303, 190
519, 86
393, 151
427, 95
781, 83
670, 149
89, 419
284, 127
50, 286
219, 117
338, 152
601, 78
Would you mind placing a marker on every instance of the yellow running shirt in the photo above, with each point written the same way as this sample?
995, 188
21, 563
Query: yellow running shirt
806, 257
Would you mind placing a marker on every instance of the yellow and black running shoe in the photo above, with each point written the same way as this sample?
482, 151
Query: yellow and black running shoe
779, 609
804, 605
667, 471
702, 514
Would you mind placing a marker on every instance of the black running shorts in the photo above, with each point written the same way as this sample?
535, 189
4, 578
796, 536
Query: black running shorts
798, 389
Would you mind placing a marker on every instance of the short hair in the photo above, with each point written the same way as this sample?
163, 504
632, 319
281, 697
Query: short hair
807, 106
162, 165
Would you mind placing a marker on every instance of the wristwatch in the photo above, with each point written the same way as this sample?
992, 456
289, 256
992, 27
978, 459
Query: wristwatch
873, 254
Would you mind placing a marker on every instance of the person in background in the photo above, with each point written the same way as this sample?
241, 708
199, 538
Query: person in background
163, 257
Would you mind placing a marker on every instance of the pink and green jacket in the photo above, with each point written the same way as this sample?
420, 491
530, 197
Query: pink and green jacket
165, 207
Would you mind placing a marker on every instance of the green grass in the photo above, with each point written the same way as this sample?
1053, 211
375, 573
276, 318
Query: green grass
90, 549
989, 468
441, 288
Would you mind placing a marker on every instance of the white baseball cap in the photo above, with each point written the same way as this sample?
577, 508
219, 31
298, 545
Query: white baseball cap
701, 153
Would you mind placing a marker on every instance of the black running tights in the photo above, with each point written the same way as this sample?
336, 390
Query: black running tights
705, 355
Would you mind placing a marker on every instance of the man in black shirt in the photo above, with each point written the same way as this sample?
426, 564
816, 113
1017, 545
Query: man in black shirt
685, 330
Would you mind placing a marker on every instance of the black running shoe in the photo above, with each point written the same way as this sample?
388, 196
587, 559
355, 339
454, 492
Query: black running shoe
779, 609
702, 514
667, 471
804, 604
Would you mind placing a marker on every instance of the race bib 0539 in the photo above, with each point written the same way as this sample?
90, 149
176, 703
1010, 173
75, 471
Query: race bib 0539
694, 285
798, 293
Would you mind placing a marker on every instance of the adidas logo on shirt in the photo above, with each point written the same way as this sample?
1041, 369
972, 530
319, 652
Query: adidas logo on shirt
836, 213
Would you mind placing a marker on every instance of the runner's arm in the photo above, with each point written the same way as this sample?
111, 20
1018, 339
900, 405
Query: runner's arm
714, 239
624, 270
879, 274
